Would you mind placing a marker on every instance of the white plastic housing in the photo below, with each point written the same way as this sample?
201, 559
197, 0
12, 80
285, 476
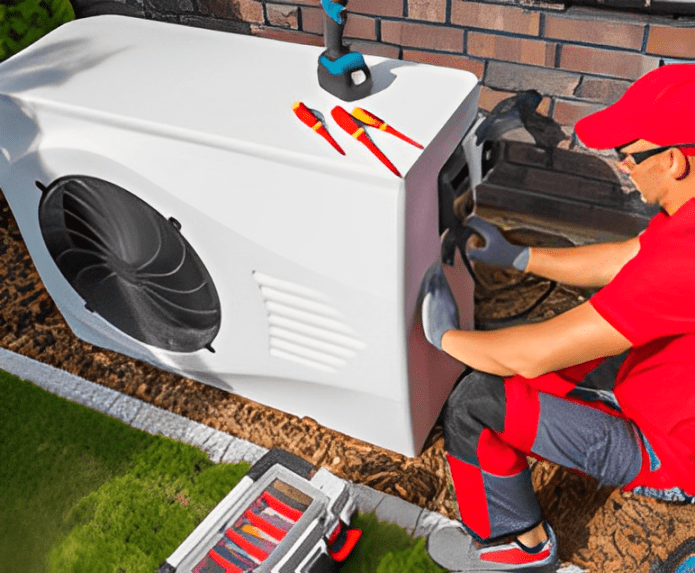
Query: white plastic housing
317, 257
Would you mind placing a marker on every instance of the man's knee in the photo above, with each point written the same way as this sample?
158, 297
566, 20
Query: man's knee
583, 438
477, 402
616, 459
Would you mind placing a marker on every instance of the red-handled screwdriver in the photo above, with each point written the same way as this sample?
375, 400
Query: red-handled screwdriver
310, 119
371, 120
346, 121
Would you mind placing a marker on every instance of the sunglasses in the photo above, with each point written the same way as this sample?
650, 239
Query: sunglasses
639, 156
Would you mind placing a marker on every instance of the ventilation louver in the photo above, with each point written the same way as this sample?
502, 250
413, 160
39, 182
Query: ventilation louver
131, 265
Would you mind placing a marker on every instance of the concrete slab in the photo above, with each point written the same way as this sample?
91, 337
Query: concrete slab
157, 421
366, 498
72, 390
242, 451
98, 398
47, 377
197, 434
393, 509
428, 522
216, 445
124, 408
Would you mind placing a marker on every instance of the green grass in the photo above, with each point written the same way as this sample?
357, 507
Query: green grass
81, 492
134, 522
387, 548
91, 492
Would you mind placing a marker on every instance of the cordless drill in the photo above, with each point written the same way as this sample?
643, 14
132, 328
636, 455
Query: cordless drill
341, 72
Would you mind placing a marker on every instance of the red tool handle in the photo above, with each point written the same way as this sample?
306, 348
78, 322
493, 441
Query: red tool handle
228, 566
309, 118
305, 114
370, 119
346, 121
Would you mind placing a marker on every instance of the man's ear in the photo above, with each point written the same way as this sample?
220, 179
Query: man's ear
680, 164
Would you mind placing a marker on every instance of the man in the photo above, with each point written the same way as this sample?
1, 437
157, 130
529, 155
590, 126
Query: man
607, 388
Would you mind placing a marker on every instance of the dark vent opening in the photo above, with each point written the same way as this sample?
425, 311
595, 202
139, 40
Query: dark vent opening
453, 181
130, 264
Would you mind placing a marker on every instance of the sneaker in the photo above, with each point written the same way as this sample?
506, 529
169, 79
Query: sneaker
515, 556
452, 548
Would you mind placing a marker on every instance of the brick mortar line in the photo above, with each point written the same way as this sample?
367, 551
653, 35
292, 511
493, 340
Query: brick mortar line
578, 87
582, 12
633, 51
503, 33
446, 53
558, 55
540, 37
541, 25
586, 13
418, 22
580, 74
551, 107
300, 18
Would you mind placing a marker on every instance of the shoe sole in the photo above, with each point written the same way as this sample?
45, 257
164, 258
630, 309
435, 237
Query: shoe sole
452, 548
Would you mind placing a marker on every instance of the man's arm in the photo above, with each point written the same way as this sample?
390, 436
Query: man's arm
576, 336
572, 338
586, 266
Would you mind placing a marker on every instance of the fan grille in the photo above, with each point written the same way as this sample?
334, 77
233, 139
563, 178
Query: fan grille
130, 264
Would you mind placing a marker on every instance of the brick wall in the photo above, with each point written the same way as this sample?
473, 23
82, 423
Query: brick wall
579, 58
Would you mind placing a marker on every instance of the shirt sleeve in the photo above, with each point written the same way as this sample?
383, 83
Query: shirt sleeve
653, 295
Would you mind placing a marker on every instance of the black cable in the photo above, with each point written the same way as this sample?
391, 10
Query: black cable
457, 237
518, 318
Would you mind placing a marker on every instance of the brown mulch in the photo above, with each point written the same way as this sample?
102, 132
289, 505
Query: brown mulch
599, 529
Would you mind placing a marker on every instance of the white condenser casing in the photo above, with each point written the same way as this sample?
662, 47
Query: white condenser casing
291, 272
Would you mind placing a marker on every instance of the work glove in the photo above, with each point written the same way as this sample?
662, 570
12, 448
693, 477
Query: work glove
439, 311
497, 252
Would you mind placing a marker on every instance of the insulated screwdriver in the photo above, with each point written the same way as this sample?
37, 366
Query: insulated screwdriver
309, 118
347, 122
371, 120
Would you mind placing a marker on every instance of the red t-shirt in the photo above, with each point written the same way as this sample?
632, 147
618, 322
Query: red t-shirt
651, 302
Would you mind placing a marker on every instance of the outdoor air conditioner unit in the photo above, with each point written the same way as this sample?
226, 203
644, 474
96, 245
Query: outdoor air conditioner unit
179, 213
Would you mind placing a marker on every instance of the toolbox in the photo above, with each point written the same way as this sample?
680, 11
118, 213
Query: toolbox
284, 516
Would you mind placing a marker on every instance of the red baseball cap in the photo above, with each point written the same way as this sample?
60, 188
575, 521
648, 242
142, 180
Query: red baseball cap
656, 108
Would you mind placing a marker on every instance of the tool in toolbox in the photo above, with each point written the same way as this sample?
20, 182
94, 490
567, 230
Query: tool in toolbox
284, 516
341, 72
348, 123
371, 120
312, 120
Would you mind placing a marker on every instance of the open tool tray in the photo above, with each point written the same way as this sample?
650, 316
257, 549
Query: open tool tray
284, 516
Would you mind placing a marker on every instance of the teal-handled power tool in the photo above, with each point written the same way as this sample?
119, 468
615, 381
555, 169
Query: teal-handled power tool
341, 72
